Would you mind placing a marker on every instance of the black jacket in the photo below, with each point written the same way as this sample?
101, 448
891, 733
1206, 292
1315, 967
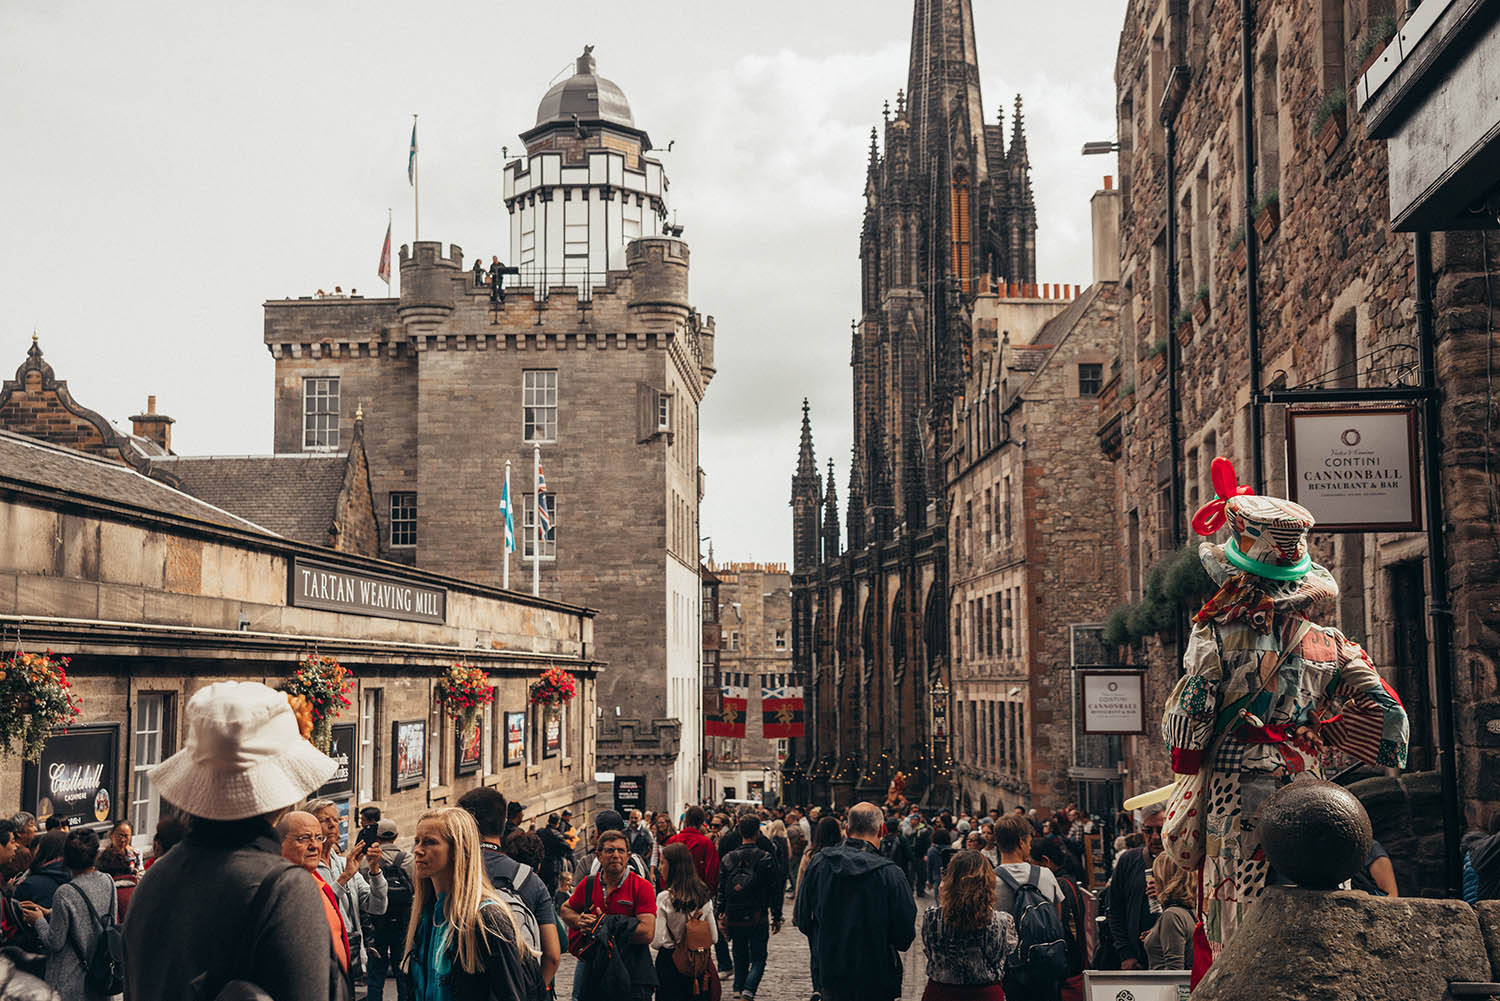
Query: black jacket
225, 905
770, 880
41, 884
503, 974
1484, 856
622, 968
856, 909
1128, 909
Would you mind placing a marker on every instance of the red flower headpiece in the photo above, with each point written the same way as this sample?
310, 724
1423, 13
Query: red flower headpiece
1210, 517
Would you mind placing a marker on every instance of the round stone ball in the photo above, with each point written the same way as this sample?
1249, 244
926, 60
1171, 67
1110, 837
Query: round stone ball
1315, 833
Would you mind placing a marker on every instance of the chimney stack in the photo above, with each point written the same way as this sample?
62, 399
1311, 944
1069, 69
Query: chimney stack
1105, 210
152, 425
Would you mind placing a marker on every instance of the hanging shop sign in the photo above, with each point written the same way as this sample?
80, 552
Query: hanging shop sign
341, 750
409, 762
75, 778
1355, 469
315, 584
630, 794
515, 738
1113, 702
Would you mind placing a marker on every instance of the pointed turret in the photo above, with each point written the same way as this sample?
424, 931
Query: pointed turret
1022, 235
854, 513
943, 79
807, 496
830, 518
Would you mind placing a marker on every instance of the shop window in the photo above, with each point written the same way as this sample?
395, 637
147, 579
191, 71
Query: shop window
152, 743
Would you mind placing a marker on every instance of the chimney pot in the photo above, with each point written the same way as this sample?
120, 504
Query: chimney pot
1109, 182
150, 404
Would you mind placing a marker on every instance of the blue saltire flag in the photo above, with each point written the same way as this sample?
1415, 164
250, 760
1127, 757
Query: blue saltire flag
510, 521
411, 157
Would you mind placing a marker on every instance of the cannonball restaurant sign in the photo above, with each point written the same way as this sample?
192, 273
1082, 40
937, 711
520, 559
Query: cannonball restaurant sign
75, 779
1114, 702
1355, 469
333, 588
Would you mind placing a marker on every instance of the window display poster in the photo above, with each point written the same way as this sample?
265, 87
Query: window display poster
470, 750
552, 731
515, 738
409, 760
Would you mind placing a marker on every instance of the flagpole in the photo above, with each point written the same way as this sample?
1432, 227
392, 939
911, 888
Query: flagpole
416, 190
506, 517
536, 521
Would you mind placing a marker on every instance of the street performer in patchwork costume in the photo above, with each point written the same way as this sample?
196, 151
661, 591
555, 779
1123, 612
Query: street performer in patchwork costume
1264, 691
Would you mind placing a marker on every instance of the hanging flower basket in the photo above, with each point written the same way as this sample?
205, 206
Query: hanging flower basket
36, 698
465, 691
317, 692
555, 688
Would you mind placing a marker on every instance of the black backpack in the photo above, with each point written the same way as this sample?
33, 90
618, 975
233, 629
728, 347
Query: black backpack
1043, 955
104, 967
399, 894
745, 882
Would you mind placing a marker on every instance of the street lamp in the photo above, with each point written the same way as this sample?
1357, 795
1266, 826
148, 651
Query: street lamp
1101, 147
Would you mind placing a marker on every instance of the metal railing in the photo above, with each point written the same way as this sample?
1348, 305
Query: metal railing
538, 282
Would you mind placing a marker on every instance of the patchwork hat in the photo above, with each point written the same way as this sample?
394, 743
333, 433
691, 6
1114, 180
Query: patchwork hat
1267, 541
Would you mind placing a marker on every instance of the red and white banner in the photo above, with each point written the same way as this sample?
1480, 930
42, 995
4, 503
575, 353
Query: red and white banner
782, 712
730, 722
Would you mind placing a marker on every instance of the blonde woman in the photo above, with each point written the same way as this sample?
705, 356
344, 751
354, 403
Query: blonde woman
462, 943
1169, 943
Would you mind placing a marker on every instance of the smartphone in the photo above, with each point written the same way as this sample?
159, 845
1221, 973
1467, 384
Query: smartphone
368, 835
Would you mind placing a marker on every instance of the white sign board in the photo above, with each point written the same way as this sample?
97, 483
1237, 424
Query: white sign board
1355, 469
1136, 985
1114, 702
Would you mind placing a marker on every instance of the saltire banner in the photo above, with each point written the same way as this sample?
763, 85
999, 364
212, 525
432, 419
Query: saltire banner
731, 719
411, 157
385, 257
510, 521
782, 711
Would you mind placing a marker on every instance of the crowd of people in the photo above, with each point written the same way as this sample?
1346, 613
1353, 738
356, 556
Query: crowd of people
255, 891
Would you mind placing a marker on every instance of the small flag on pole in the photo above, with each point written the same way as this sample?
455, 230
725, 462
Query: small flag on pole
411, 157
510, 521
385, 257
543, 515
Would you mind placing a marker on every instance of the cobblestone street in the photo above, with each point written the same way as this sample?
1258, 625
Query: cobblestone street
787, 977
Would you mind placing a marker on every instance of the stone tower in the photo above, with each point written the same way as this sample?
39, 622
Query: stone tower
807, 499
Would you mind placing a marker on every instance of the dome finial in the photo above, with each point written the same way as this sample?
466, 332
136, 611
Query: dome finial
586, 61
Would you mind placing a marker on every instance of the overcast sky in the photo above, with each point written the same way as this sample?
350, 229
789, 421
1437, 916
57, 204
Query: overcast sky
170, 166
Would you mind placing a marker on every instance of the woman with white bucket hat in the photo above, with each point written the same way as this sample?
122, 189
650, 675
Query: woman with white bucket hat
223, 914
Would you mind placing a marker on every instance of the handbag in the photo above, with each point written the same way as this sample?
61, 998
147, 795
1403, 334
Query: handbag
1184, 832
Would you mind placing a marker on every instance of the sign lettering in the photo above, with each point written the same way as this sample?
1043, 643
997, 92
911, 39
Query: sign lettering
1355, 469
336, 589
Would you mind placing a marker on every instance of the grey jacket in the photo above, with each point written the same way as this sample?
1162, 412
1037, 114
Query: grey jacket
70, 932
190, 927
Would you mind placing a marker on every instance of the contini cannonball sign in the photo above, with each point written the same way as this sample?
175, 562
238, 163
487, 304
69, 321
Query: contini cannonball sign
76, 777
1355, 469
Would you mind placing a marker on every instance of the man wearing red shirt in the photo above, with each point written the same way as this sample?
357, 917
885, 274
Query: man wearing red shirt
614, 889
705, 855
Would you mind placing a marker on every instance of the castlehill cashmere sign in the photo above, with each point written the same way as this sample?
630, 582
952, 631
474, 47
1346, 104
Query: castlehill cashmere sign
76, 777
1355, 469
338, 589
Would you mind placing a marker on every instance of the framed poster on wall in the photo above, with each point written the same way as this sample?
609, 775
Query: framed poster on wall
341, 786
552, 727
75, 778
515, 739
409, 753
470, 751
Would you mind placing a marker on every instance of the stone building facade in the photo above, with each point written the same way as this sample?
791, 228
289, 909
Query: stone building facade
1337, 309
1032, 574
595, 353
755, 653
153, 594
949, 218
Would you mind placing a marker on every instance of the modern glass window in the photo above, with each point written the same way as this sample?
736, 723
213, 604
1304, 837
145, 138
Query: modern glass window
528, 517
539, 404
403, 518
320, 414
151, 720
1090, 378
369, 726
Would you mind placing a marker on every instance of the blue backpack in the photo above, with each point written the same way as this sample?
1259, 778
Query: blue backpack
1043, 955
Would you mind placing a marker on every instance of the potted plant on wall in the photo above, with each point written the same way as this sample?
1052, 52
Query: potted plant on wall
1381, 30
1200, 305
1156, 357
1184, 326
1328, 121
1238, 252
1268, 214
464, 691
317, 691
36, 698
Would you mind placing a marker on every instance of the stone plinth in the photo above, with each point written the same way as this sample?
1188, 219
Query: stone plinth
1310, 945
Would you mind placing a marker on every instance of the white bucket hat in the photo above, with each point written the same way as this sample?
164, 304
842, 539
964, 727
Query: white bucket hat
244, 755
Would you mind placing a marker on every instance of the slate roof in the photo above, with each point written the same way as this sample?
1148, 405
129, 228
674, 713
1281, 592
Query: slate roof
33, 462
294, 495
